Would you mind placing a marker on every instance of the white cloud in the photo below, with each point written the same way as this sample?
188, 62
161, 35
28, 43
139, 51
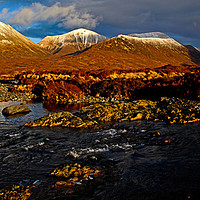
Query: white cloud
4, 13
65, 16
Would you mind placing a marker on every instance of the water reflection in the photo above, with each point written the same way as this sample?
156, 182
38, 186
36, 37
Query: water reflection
69, 107
37, 111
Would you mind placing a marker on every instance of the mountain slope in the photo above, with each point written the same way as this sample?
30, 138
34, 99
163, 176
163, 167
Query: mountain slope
118, 53
71, 42
14, 45
194, 53
125, 52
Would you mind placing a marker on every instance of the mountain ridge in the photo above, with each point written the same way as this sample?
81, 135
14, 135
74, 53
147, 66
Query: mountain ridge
121, 52
150, 35
13, 44
131, 53
167, 41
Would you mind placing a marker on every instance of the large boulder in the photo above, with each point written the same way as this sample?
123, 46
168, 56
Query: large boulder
16, 109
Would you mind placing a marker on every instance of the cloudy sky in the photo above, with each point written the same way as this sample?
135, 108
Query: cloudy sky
37, 18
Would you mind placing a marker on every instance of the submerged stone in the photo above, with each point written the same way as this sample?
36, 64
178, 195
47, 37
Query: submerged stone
73, 174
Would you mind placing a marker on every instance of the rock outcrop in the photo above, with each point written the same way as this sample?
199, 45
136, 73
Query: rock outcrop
170, 110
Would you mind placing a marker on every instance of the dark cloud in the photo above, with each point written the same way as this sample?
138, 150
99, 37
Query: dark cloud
178, 18
148, 14
41, 30
174, 17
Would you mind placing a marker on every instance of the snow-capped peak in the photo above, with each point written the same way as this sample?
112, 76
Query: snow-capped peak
150, 35
82, 31
152, 39
86, 37
80, 39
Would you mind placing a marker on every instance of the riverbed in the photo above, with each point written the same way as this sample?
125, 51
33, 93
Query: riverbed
137, 160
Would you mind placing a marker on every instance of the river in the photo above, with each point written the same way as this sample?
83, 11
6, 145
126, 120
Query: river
142, 160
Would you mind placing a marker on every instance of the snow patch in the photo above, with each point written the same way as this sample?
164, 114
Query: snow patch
153, 41
82, 32
150, 35
84, 36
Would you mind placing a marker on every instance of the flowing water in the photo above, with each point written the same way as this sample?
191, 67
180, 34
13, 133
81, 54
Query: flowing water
137, 160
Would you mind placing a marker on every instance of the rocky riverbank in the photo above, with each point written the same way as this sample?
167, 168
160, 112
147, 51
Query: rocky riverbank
170, 110
7, 95
61, 87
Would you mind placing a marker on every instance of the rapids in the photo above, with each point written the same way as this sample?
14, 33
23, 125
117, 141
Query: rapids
137, 160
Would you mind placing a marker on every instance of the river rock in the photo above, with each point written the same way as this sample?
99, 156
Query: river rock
65, 119
170, 110
94, 116
16, 109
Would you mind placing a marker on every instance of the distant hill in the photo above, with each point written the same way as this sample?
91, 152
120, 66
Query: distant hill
71, 42
14, 45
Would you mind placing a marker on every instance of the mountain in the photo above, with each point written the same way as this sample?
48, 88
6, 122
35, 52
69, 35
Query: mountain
71, 42
194, 53
126, 52
118, 53
14, 45
160, 40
